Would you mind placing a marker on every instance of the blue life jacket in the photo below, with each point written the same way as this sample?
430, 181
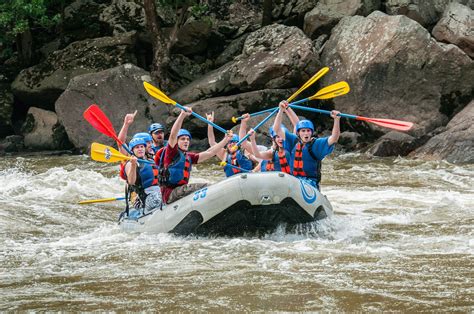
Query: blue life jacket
304, 163
156, 148
241, 161
177, 172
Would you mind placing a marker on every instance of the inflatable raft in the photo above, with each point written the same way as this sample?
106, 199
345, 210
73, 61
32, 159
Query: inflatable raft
242, 204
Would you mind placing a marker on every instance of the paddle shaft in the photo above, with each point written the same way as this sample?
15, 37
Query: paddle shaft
202, 119
238, 168
102, 200
344, 115
258, 126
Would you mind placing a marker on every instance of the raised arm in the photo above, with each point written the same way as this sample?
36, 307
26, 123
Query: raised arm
277, 123
127, 121
336, 128
210, 129
215, 149
293, 118
173, 139
131, 170
262, 155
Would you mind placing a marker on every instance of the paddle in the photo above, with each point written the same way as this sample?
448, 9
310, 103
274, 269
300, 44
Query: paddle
387, 123
223, 164
104, 153
308, 83
331, 91
101, 123
102, 200
158, 94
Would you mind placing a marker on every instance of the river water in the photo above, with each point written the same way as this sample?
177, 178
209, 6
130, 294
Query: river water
401, 239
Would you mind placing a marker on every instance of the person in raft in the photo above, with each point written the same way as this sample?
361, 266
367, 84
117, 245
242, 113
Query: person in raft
157, 131
176, 162
142, 178
241, 158
127, 121
307, 152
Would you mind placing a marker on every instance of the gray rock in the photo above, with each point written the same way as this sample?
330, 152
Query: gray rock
42, 131
349, 139
42, 84
275, 56
397, 71
11, 144
457, 27
393, 144
231, 51
456, 144
328, 13
424, 12
116, 91
192, 38
81, 20
124, 16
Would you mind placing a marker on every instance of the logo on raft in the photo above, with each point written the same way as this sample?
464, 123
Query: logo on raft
308, 192
108, 154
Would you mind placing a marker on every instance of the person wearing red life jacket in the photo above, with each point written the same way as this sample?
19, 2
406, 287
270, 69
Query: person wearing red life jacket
307, 152
176, 161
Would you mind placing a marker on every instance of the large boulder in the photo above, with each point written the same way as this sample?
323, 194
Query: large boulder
81, 20
396, 70
42, 131
124, 16
457, 27
192, 38
116, 91
456, 144
427, 13
275, 56
393, 144
328, 13
43, 83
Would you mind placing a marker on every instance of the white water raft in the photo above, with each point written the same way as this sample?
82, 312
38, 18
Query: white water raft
241, 204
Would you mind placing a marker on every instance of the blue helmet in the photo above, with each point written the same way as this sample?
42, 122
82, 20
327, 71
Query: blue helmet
136, 141
235, 138
273, 133
155, 127
304, 124
147, 137
184, 132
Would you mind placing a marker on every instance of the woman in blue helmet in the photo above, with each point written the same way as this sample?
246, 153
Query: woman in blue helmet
176, 162
307, 152
157, 131
241, 158
142, 179
150, 153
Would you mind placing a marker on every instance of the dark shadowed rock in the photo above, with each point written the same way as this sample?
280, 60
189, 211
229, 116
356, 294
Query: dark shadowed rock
43, 83
81, 20
349, 139
42, 131
231, 51
457, 27
227, 107
275, 56
116, 91
393, 144
192, 38
328, 13
396, 70
6, 109
123, 16
456, 144
12, 144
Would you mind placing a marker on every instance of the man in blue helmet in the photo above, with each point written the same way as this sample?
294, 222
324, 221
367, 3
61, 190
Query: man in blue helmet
307, 152
157, 131
176, 162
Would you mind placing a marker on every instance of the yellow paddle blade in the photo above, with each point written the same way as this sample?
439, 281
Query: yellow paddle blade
102, 200
103, 153
156, 93
310, 82
222, 163
234, 119
331, 91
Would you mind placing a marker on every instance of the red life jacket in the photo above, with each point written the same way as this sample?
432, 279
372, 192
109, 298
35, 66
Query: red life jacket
298, 163
270, 166
186, 171
285, 167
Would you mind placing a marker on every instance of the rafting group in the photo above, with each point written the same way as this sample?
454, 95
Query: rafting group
157, 171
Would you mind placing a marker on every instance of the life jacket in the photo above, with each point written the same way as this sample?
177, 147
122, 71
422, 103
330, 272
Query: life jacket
157, 148
177, 172
280, 160
305, 164
159, 155
147, 175
267, 165
237, 159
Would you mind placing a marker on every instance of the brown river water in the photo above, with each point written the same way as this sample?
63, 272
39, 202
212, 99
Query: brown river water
401, 239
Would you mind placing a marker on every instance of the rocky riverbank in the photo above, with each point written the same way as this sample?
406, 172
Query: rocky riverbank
406, 60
